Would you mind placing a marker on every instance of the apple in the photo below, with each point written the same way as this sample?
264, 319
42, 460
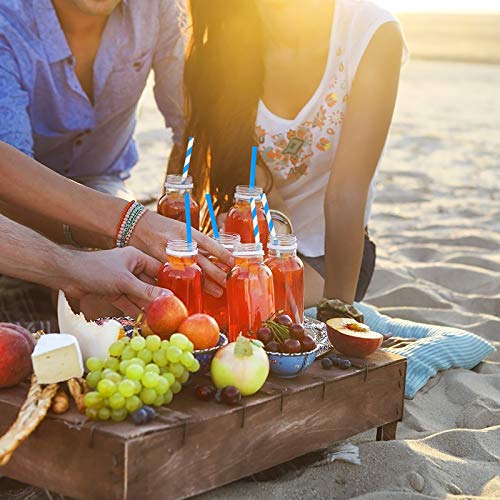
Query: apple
15, 357
352, 338
164, 314
242, 364
25, 333
202, 330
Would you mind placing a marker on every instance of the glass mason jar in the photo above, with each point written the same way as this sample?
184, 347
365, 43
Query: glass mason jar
217, 306
239, 217
182, 275
171, 204
250, 291
288, 276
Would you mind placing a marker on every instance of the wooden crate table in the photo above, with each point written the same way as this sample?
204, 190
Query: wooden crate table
196, 446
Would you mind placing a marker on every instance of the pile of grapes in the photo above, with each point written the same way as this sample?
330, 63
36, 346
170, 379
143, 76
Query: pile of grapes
139, 371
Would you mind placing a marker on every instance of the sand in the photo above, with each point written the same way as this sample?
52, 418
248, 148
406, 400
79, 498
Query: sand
436, 222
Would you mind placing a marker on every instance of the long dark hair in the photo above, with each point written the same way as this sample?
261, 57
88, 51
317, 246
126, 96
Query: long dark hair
223, 81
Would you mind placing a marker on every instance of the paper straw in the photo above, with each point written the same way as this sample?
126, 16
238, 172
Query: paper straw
269, 219
189, 233
253, 166
213, 219
255, 221
187, 161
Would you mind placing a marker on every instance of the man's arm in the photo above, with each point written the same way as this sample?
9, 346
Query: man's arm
121, 276
30, 185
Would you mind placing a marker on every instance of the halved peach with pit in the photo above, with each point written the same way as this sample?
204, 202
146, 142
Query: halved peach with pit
352, 338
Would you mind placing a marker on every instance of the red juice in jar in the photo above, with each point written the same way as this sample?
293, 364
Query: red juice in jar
288, 276
217, 306
171, 204
250, 291
239, 217
182, 275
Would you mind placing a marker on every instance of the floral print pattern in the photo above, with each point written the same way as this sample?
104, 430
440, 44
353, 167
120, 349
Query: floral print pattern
289, 153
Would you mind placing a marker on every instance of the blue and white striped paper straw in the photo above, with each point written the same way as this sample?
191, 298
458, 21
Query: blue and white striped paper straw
267, 211
187, 161
255, 221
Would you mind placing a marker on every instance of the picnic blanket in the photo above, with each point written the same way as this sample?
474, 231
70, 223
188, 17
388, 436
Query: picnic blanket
437, 347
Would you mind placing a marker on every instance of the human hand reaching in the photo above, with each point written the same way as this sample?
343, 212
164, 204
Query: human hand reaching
124, 277
152, 233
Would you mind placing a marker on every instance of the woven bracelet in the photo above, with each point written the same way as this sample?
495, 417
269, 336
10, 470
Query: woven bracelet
127, 227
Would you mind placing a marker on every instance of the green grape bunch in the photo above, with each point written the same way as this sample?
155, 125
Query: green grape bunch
139, 371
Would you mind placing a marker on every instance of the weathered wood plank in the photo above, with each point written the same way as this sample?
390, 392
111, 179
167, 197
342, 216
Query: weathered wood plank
195, 446
195, 458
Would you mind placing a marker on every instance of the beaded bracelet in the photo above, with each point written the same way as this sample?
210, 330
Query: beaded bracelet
130, 217
122, 218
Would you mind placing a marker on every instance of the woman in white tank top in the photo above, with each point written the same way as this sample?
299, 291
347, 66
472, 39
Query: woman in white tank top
314, 85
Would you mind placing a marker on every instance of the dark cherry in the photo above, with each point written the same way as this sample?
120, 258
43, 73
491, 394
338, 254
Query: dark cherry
308, 343
273, 346
265, 335
326, 364
345, 364
284, 320
204, 392
230, 395
335, 360
292, 346
297, 331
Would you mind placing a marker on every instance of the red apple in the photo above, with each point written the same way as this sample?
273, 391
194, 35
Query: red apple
352, 338
18, 328
15, 357
164, 315
202, 330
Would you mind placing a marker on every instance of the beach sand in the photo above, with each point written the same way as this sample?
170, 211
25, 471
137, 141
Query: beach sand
436, 222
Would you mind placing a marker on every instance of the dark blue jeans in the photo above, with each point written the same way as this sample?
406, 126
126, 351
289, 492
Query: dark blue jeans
365, 273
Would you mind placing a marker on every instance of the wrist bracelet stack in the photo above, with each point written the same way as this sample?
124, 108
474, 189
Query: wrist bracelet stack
129, 219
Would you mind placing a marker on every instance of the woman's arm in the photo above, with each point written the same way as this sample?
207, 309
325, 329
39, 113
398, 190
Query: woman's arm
368, 118
41, 192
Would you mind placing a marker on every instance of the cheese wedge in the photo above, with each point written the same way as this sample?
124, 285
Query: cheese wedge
57, 358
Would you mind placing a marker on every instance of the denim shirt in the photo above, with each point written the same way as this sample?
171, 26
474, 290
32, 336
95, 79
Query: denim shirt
44, 111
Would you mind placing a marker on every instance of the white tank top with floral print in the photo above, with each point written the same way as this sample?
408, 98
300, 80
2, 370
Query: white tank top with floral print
300, 152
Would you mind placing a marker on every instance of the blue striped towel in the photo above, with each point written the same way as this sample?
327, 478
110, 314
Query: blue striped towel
437, 348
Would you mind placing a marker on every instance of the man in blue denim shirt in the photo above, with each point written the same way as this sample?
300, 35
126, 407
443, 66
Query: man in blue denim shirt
71, 75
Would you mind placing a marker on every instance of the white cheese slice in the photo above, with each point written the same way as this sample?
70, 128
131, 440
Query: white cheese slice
56, 358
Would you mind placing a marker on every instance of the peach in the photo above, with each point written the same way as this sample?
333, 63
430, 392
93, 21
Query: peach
25, 333
352, 338
202, 330
164, 315
15, 357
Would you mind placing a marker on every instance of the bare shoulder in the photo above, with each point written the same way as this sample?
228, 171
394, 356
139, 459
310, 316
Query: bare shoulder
386, 46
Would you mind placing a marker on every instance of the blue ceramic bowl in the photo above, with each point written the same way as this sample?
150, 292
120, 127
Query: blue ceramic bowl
205, 356
290, 365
